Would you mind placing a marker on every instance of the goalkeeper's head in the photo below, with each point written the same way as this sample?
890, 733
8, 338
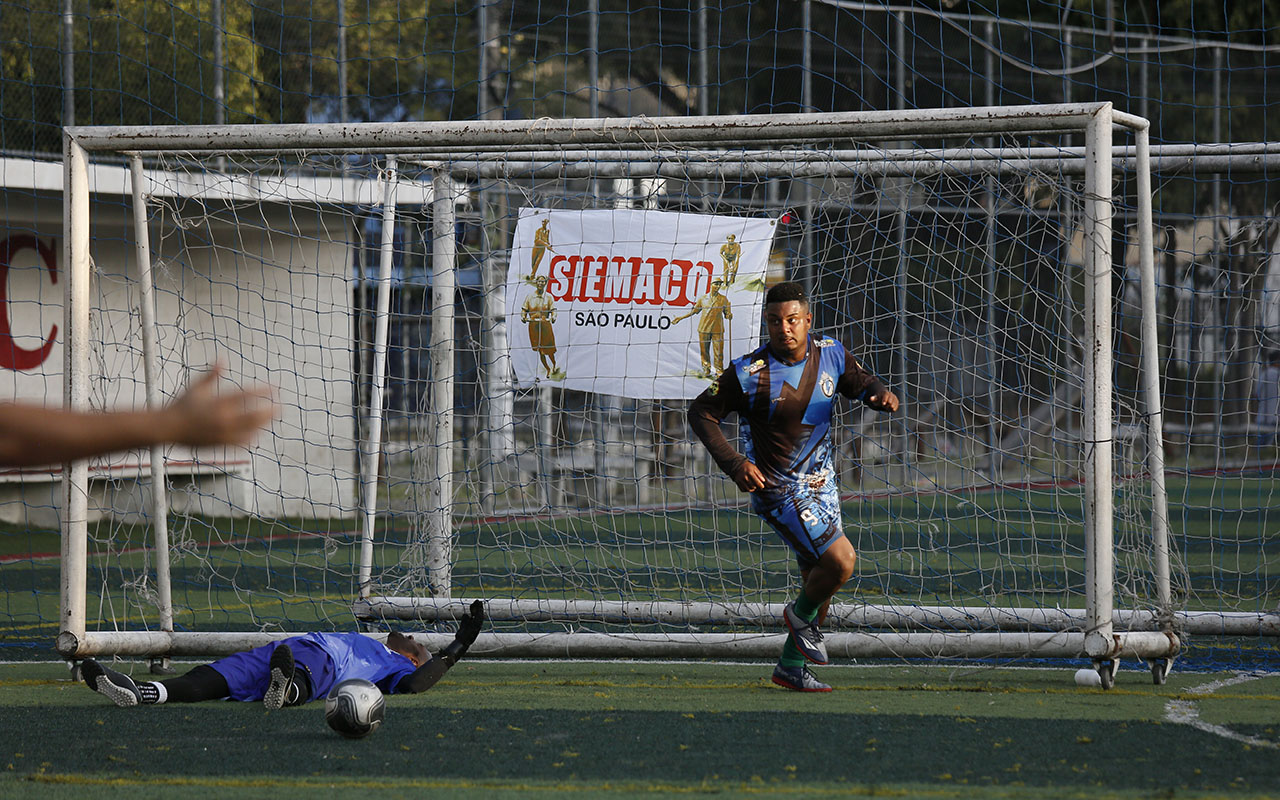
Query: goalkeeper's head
787, 291
407, 647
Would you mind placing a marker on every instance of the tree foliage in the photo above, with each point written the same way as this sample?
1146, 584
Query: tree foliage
152, 61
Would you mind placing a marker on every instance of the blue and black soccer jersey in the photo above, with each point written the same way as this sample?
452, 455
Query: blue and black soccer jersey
785, 414
327, 657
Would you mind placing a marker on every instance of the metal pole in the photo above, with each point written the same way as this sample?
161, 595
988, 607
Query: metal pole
151, 374
439, 509
704, 99
807, 256
371, 445
902, 443
68, 63
543, 412
704, 188
602, 483
482, 60
344, 113
1218, 301
219, 78
492, 304
1151, 384
806, 55
1097, 436
75, 475
510, 136
499, 437
1144, 81
593, 56
995, 461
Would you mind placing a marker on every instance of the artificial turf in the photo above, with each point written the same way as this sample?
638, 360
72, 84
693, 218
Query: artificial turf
658, 729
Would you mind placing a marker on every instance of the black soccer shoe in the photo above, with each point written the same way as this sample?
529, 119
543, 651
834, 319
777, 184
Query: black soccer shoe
283, 689
117, 686
806, 635
798, 679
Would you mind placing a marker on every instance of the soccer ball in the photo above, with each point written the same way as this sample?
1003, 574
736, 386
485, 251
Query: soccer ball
354, 708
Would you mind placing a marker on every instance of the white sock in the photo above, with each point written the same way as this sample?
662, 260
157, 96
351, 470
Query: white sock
153, 692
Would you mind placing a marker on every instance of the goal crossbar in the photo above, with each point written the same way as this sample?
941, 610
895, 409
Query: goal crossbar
724, 130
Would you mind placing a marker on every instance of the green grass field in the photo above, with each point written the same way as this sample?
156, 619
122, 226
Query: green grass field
630, 729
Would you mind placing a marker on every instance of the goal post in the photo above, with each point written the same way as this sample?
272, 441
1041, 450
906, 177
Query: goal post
588, 522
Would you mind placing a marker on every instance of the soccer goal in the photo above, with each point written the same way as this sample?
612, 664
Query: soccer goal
466, 411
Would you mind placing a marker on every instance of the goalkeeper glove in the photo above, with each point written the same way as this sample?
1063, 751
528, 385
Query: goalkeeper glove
468, 629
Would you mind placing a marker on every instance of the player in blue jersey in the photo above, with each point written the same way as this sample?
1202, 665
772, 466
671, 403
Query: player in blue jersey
298, 669
784, 393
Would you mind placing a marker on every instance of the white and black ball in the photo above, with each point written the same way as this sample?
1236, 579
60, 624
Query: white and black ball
354, 708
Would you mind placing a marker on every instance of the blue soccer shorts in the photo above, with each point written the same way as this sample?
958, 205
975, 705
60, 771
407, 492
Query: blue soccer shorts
806, 514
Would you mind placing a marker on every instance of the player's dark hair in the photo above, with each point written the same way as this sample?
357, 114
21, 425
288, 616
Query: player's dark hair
785, 292
408, 646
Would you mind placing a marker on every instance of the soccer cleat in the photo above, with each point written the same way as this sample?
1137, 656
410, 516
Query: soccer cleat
119, 687
806, 635
282, 690
798, 679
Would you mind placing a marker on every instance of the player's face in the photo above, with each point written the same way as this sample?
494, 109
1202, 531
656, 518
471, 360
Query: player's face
409, 648
788, 328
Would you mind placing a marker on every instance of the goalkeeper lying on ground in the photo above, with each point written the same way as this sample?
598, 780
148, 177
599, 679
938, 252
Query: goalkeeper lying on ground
298, 669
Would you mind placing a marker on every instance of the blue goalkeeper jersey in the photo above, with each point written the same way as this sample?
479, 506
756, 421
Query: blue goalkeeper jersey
355, 655
328, 658
784, 410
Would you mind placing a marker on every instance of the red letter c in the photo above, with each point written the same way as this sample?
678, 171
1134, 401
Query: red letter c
12, 356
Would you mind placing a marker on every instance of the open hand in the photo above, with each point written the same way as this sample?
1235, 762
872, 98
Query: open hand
203, 416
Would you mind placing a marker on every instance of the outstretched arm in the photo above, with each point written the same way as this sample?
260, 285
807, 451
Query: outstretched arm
426, 676
32, 435
691, 312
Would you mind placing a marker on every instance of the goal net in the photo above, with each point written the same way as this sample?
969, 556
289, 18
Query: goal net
444, 436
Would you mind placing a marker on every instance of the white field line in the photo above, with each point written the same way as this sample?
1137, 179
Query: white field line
1186, 712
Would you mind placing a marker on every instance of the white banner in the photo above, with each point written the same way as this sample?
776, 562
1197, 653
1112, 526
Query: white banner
643, 304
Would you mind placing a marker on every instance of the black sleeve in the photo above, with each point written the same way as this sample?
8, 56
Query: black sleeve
426, 675
857, 382
706, 412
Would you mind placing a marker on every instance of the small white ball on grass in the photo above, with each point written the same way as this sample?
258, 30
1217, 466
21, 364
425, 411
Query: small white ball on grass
1088, 677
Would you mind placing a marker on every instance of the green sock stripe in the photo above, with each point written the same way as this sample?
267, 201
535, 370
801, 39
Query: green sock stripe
806, 608
791, 656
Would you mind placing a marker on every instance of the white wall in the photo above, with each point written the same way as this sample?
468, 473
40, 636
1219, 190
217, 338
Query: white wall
268, 296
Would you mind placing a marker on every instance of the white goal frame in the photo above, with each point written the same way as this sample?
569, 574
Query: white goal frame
468, 149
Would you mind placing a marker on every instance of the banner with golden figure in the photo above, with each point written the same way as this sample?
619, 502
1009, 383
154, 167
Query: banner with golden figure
642, 304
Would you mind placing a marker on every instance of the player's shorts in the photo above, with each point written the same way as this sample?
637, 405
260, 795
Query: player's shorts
806, 514
248, 673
